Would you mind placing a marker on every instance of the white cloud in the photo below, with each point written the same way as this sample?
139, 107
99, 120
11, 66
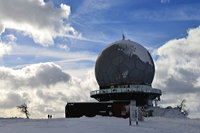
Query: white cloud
177, 69
40, 20
11, 37
5, 48
94, 5
45, 87
1, 28
63, 46
44, 52
12, 100
37, 75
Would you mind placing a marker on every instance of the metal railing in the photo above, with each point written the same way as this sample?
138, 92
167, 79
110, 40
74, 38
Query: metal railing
138, 89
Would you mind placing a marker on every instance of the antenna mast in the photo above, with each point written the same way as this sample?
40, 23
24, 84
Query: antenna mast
123, 36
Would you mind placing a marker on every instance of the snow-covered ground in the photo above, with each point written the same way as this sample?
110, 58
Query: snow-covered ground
99, 125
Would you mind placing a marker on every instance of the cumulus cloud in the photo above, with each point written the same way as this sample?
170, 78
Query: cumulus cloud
12, 100
40, 20
45, 87
177, 68
178, 63
7, 46
37, 75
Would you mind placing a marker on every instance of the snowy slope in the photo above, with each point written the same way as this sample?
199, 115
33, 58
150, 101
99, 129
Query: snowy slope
99, 125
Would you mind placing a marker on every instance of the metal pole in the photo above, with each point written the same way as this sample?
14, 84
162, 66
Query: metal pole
133, 112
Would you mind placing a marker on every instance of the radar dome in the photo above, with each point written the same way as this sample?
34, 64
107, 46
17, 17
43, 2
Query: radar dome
124, 62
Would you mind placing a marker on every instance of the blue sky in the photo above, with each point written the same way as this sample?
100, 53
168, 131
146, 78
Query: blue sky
43, 38
150, 23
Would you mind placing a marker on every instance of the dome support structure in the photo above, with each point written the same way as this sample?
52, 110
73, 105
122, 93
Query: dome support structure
124, 72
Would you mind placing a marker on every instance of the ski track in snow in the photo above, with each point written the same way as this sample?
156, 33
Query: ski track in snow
99, 125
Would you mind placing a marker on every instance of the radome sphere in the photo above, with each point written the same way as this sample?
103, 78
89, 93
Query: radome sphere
124, 62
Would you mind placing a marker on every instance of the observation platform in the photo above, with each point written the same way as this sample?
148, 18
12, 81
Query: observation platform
141, 93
